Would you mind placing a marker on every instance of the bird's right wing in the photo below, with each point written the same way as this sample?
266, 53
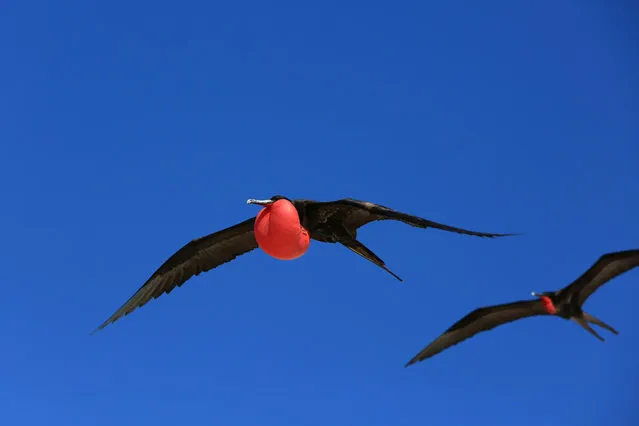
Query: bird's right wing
479, 320
199, 255
374, 212
607, 267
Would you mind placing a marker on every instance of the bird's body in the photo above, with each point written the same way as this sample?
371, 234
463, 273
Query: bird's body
280, 233
565, 303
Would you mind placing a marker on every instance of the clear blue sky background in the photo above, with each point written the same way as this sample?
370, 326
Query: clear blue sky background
129, 128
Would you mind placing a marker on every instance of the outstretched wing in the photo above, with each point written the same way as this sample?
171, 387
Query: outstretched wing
482, 319
607, 267
199, 255
358, 213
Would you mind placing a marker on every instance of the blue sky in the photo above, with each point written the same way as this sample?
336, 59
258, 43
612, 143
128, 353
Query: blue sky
130, 128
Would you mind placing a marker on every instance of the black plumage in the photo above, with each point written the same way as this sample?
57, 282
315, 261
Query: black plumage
329, 222
566, 302
338, 222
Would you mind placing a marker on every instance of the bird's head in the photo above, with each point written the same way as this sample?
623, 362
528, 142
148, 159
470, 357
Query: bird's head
547, 300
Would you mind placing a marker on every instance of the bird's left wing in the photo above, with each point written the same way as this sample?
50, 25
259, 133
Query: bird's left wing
607, 267
482, 319
365, 212
199, 255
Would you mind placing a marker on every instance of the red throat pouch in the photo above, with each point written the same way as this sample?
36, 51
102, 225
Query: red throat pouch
278, 231
548, 305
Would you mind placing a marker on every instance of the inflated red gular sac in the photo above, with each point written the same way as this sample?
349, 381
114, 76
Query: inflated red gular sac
548, 305
278, 230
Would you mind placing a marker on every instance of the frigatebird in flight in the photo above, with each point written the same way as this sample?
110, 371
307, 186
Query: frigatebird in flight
565, 303
283, 229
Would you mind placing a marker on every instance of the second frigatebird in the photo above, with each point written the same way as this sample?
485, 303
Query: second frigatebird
565, 303
283, 229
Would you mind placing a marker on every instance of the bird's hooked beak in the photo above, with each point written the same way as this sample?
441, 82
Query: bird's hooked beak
535, 294
259, 202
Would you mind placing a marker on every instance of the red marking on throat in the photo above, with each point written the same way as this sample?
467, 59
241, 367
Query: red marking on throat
548, 305
279, 233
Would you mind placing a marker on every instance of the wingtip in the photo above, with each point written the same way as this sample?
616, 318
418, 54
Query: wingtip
508, 235
411, 362
100, 327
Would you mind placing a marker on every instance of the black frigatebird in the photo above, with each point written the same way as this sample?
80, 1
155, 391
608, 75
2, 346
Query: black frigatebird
296, 221
565, 303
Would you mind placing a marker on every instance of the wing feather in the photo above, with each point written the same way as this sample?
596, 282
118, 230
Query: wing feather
199, 255
363, 212
482, 319
607, 267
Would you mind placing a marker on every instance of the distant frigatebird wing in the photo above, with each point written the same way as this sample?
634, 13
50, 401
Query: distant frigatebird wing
199, 255
607, 267
482, 319
362, 212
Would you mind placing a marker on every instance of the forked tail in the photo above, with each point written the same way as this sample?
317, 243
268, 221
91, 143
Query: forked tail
366, 253
582, 322
599, 322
